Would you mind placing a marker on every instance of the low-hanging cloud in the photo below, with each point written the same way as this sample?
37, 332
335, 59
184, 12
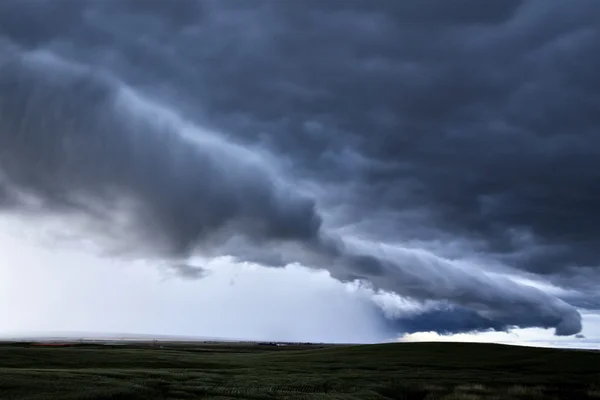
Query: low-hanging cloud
75, 141
405, 141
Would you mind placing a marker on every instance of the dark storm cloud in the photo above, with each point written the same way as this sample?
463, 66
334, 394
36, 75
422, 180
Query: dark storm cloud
483, 120
447, 321
425, 121
71, 137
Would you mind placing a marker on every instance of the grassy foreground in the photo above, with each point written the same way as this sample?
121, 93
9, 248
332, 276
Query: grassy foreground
390, 371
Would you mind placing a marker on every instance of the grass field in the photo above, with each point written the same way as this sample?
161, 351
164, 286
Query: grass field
228, 371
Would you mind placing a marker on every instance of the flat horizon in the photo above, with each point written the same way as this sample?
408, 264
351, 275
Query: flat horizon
65, 336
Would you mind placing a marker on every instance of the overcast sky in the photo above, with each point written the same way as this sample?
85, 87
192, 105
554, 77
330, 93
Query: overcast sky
302, 170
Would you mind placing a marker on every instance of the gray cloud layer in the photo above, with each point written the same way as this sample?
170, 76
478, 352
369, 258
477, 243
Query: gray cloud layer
468, 130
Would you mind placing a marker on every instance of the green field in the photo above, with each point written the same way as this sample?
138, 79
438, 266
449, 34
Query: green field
389, 371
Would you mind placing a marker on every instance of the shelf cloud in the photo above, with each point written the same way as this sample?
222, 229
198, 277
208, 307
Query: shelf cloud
438, 154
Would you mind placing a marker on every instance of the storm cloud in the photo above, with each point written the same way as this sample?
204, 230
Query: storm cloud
429, 150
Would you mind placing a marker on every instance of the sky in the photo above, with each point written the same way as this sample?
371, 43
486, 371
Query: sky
334, 171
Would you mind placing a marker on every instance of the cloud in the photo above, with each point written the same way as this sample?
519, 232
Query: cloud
75, 140
76, 291
528, 337
189, 271
416, 148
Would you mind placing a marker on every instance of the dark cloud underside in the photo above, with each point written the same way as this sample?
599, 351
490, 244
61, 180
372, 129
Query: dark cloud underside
465, 129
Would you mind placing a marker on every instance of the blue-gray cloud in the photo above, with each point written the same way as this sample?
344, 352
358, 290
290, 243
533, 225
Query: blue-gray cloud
469, 129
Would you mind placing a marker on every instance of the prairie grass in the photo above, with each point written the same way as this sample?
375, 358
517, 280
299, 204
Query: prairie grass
412, 371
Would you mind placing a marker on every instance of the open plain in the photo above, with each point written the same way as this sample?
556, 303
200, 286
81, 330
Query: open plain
213, 370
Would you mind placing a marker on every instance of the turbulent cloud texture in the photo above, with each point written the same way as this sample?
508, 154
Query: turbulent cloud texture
438, 151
